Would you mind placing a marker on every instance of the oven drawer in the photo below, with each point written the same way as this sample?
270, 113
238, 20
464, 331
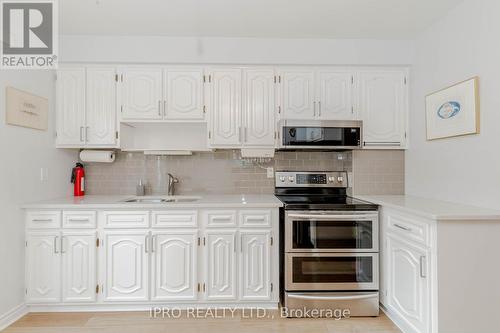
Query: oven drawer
359, 304
331, 231
331, 271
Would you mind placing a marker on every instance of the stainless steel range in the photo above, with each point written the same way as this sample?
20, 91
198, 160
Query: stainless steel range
329, 244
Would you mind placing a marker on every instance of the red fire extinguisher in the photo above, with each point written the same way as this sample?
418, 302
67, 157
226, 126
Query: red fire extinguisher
78, 180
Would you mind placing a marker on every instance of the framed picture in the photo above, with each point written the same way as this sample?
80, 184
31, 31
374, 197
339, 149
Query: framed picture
453, 111
26, 110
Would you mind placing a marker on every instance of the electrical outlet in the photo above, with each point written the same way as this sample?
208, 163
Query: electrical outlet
270, 172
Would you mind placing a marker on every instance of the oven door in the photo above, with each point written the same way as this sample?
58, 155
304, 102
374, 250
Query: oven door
328, 231
331, 271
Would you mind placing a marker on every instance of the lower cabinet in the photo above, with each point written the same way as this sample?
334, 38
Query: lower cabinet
175, 265
111, 264
220, 265
43, 262
126, 265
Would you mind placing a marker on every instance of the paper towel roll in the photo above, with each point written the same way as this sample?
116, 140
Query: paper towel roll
102, 156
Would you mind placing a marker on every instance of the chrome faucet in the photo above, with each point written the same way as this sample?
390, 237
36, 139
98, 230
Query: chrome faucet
171, 184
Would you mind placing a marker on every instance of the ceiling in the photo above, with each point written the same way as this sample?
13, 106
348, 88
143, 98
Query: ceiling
371, 19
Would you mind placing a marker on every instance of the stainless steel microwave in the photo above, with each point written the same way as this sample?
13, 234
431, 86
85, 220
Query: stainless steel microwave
321, 134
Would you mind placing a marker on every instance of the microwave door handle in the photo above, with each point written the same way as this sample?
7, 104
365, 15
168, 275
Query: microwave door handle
319, 217
332, 298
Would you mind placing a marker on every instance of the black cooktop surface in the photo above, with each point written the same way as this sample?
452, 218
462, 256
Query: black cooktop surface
324, 202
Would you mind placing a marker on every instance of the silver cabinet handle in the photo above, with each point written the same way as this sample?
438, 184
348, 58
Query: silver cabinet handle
246, 134
159, 108
42, 220
165, 108
402, 227
423, 273
234, 246
81, 133
387, 143
153, 243
62, 244
333, 298
239, 134
86, 134
314, 109
319, 108
146, 243
55, 244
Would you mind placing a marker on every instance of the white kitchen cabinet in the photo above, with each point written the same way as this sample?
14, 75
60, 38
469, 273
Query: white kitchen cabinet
127, 266
183, 94
382, 105
142, 95
259, 107
225, 99
220, 265
334, 95
408, 282
298, 94
70, 106
175, 265
43, 261
255, 265
79, 266
101, 120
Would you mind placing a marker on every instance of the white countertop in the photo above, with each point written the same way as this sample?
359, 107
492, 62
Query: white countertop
117, 202
433, 209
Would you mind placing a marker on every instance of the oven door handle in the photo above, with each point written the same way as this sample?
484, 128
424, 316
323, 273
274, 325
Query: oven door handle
333, 298
318, 217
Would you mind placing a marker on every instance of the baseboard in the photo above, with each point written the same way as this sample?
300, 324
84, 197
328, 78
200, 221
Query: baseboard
397, 321
12, 316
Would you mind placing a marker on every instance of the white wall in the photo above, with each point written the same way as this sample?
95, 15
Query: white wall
235, 50
23, 152
463, 44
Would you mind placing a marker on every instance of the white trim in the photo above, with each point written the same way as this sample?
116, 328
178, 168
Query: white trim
12, 315
397, 320
147, 306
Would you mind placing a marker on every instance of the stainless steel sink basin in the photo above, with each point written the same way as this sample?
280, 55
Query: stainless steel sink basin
163, 200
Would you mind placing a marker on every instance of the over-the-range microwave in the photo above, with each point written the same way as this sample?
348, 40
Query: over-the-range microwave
320, 134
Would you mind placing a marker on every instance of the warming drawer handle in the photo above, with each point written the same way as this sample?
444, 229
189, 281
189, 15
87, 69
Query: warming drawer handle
305, 216
333, 298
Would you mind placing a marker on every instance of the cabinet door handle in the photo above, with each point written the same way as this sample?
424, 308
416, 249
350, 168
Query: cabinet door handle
159, 108
165, 108
388, 143
153, 244
423, 273
314, 109
319, 108
86, 134
234, 245
239, 134
55, 244
402, 227
246, 134
146, 243
62, 244
81, 133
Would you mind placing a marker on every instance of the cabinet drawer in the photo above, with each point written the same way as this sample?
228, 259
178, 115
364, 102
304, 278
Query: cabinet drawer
409, 227
180, 218
220, 218
43, 219
255, 218
125, 219
79, 219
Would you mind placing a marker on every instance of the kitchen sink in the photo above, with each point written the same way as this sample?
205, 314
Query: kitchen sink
163, 200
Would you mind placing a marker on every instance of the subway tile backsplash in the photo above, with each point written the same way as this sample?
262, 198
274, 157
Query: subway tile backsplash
224, 172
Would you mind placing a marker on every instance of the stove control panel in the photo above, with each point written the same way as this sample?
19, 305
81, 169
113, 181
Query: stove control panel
311, 179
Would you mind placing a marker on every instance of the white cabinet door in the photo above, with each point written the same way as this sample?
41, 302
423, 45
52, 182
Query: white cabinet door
334, 95
225, 111
175, 265
184, 93
259, 119
255, 265
101, 107
43, 267
220, 265
127, 264
408, 290
298, 94
142, 94
79, 266
71, 107
382, 107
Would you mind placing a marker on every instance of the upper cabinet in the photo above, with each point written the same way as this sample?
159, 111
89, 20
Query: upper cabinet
86, 107
298, 93
382, 105
242, 103
142, 94
334, 95
183, 93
